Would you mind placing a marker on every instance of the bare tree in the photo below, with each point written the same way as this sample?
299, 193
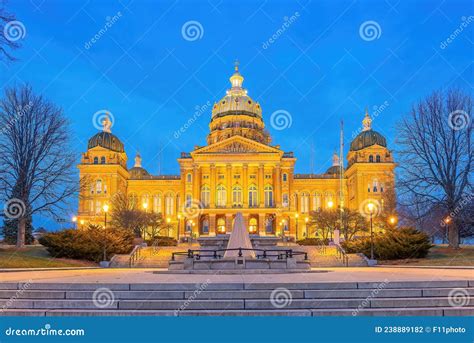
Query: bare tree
6, 43
36, 164
436, 156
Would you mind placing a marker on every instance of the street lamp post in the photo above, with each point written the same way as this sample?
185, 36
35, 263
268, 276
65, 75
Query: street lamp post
371, 207
168, 220
106, 209
447, 220
74, 220
179, 222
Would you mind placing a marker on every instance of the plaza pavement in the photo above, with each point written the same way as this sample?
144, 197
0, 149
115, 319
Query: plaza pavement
130, 276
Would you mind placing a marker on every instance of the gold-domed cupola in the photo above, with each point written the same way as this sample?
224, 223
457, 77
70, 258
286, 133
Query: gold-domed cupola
237, 114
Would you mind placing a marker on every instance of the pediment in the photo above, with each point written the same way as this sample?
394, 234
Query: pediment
236, 145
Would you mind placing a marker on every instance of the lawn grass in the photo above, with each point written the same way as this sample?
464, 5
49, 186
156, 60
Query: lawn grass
440, 255
35, 256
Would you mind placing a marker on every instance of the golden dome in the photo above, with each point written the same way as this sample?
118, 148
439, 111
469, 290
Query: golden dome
236, 100
237, 114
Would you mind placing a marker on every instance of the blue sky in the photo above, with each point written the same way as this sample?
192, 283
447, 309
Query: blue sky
321, 68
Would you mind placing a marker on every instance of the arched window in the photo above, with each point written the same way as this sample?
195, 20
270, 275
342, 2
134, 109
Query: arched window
205, 195
132, 199
316, 201
96, 160
169, 204
98, 207
285, 199
189, 201
268, 196
98, 186
382, 187
253, 196
221, 225
285, 177
102, 160
253, 225
157, 203
377, 158
145, 205
189, 178
375, 185
371, 158
304, 202
237, 196
221, 196
368, 187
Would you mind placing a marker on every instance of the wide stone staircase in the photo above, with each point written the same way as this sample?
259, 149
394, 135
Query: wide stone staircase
407, 298
158, 257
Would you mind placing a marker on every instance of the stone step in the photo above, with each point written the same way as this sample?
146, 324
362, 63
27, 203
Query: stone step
201, 292
228, 303
419, 311
427, 286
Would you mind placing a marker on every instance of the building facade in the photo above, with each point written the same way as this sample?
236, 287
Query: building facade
239, 170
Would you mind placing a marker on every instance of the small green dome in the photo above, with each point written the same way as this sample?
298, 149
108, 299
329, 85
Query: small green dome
138, 173
368, 138
106, 140
334, 170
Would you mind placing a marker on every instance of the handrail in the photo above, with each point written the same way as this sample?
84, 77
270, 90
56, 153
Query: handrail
341, 253
215, 254
134, 255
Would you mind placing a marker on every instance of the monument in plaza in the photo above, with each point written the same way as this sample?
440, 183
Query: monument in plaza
240, 255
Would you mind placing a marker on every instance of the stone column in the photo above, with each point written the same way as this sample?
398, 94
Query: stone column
229, 185
213, 187
261, 224
245, 192
277, 185
212, 225
196, 183
261, 185
228, 223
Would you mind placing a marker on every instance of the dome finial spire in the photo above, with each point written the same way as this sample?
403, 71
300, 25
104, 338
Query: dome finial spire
335, 159
106, 123
236, 79
367, 122
138, 160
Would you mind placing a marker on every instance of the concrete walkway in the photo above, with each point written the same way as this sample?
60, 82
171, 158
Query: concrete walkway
364, 274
